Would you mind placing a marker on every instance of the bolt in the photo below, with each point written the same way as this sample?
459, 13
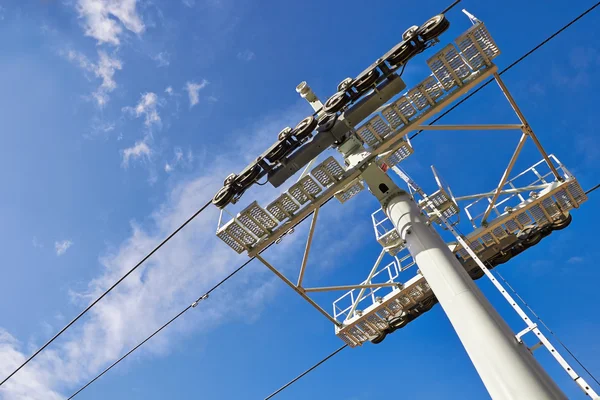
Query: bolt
408, 231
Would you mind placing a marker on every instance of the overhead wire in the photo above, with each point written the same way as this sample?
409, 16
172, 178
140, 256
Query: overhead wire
448, 111
243, 265
193, 305
524, 56
107, 291
305, 372
592, 189
547, 327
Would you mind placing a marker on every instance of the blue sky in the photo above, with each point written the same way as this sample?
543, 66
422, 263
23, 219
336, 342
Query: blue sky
121, 117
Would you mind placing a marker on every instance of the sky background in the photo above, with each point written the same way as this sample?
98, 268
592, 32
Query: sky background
121, 117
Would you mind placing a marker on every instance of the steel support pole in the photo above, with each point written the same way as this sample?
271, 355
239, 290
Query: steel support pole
506, 367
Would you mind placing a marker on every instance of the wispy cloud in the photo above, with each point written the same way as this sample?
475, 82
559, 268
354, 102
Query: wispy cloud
62, 246
147, 106
582, 63
169, 281
140, 150
575, 260
246, 55
169, 91
104, 19
179, 159
104, 69
36, 243
193, 90
163, 59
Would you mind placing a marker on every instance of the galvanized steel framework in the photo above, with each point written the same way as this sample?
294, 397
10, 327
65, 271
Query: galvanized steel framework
380, 144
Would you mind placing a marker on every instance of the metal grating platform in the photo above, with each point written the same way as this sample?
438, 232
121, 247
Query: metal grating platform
354, 188
373, 311
550, 202
385, 233
477, 46
449, 67
384, 136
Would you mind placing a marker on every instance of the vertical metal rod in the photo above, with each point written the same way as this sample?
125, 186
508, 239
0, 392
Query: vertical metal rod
296, 289
311, 231
511, 163
517, 111
362, 291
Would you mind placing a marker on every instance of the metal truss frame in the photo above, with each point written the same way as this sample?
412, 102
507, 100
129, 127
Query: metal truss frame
526, 132
530, 326
302, 291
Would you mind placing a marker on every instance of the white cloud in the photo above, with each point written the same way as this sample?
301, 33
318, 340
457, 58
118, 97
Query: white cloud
575, 260
62, 246
169, 90
104, 69
104, 19
167, 283
147, 106
140, 150
163, 59
246, 55
36, 243
180, 159
193, 90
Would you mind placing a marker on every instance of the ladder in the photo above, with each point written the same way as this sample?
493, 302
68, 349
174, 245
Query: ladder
531, 327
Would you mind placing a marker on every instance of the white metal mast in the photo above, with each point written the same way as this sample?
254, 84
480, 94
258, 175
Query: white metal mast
382, 303
505, 366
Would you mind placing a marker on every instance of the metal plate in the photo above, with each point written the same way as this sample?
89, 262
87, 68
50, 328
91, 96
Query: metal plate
304, 190
477, 46
354, 188
374, 131
328, 172
283, 207
402, 152
449, 67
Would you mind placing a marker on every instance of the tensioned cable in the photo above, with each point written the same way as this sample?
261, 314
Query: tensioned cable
176, 231
524, 56
546, 326
592, 189
208, 203
551, 332
452, 108
305, 372
193, 305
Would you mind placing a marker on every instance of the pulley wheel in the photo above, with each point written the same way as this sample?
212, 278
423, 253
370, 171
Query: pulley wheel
410, 32
433, 27
562, 224
305, 128
247, 178
285, 133
278, 152
326, 122
367, 81
345, 84
336, 102
402, 55
223, 196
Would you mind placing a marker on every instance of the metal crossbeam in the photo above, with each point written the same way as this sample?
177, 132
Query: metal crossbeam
488, 127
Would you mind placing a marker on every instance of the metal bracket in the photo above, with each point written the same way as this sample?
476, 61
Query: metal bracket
528, 329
